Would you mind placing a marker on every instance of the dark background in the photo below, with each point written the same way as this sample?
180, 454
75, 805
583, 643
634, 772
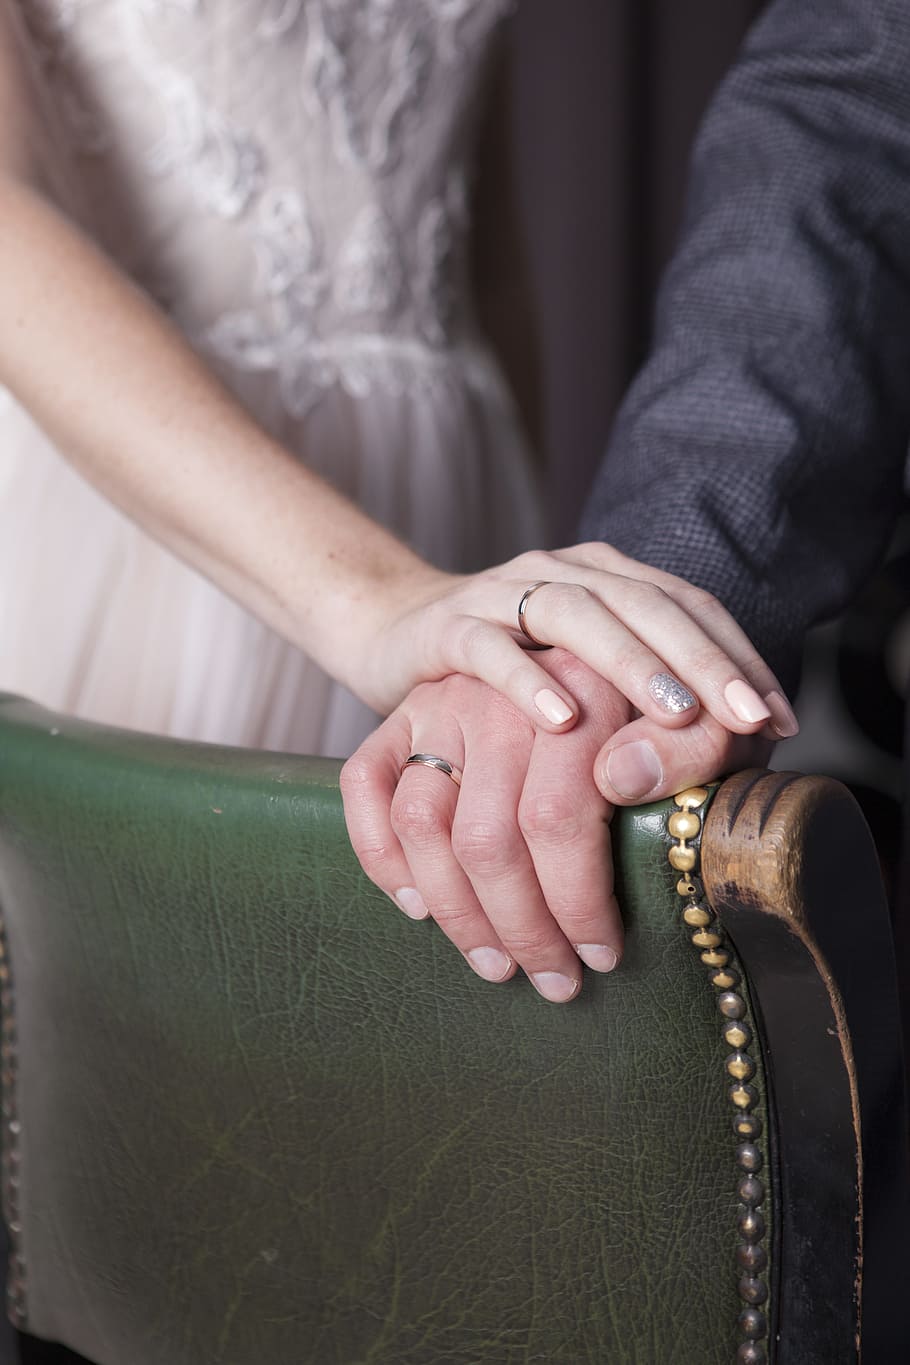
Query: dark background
606, 98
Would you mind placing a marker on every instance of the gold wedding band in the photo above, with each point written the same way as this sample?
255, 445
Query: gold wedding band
441, 765
522, 608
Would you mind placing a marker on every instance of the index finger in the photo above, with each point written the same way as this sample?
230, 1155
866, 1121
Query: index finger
369, 780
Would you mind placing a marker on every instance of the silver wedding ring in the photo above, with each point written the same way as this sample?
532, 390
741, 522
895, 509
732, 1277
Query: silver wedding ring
522, 608
441, 765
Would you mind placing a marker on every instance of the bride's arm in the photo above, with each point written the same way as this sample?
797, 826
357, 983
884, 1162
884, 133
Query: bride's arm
128, 401
132, 406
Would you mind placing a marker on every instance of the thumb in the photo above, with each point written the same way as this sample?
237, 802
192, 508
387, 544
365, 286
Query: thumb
644, 761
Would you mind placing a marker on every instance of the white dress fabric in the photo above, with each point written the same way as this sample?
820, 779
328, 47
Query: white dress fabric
289, 179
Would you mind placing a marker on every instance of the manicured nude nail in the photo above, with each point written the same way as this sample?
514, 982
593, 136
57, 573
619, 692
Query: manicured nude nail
553, 707
554, 986
633, 770
783, 720
411, 902
490, 963
670, 694
597, 956
745, 703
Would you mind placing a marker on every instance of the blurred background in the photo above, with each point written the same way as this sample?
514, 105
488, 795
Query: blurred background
605, 98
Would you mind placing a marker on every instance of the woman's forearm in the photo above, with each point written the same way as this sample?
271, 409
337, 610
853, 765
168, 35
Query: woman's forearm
127, 400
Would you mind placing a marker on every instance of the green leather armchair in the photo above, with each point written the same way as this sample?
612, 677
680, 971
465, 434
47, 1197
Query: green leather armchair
251, 1114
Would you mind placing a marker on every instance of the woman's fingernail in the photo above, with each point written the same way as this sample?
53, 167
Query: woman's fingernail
490, 963
552, 706
411, 902
745, 703
597, 956
783, 719
670, 693
633, 770
554, 986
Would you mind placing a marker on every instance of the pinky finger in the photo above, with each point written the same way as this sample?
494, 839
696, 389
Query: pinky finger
488, 652
368, 782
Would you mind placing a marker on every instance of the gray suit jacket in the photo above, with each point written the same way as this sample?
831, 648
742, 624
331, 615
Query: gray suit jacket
761, 451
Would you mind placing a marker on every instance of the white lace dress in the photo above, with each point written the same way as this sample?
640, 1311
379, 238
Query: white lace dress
288, 179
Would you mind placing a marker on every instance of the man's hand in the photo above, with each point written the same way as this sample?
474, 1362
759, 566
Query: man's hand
515, 864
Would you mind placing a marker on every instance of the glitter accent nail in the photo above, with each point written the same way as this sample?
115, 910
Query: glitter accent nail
669, 693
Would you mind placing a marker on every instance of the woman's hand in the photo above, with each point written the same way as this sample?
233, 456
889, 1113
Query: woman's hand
670, 649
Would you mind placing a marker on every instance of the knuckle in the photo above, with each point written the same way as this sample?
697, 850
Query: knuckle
356, 777
473, 637
418, 820
652, 594
533, 945
551, 817
697, 601
570, 598
533, 563
701, 606
457, 921
374, 859
630, 662
597, 553
711, 665
484, 845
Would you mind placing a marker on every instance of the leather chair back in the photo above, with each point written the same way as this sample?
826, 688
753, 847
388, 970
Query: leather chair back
254, 1114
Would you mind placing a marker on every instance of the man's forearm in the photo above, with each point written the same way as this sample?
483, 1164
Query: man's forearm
760, 453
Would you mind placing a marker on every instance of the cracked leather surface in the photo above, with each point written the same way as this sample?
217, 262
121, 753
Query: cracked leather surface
266, 1118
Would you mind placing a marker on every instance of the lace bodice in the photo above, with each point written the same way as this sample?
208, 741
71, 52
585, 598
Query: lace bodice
287, 177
